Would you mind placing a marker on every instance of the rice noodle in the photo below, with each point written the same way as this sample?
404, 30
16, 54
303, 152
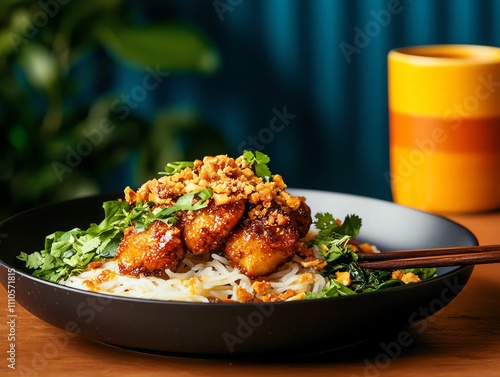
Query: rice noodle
201, 280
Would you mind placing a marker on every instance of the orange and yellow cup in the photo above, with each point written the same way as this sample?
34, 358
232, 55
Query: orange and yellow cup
444, 111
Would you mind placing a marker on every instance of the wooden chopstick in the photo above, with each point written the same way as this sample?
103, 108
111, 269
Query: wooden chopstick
439, 257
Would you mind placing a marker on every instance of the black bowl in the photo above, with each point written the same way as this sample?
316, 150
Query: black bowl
236, 329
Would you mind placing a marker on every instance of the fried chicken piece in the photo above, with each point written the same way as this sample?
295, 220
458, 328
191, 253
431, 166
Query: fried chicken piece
259, 246
150, 251
301, 217
206, 229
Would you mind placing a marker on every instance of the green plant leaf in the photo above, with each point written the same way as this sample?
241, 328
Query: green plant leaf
39, 66
14, 19
171, 47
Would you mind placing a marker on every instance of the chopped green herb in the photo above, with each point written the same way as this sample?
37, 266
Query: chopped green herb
67, 253
259, 161
332, 289
328, 227
332, 241
176, 167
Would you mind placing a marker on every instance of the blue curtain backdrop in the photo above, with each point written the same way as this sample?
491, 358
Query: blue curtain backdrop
320, 67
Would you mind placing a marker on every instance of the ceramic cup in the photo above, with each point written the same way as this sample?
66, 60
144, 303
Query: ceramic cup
444, 112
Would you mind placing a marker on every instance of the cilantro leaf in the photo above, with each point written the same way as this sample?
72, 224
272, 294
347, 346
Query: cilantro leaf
184, 203
327, 225
176, 167
114, 211
260, 162
351, 226
69, 252
332, 289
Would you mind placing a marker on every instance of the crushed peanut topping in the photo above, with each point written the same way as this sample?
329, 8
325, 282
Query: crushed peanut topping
307, 277
397, 275
317, 264
288, 294
406, 278
367, 248
343, 278
230, 179
410, 277
243, 295
261, 287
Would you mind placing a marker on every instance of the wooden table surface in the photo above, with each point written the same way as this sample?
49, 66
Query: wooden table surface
463, 339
